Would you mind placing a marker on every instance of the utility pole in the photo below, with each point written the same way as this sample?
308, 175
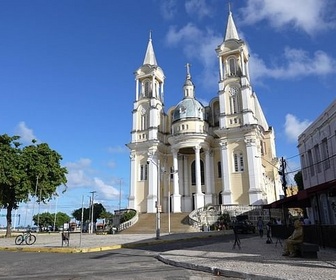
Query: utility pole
284, 182
119, 195
92, 205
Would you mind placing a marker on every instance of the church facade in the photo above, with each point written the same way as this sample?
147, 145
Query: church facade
192, 155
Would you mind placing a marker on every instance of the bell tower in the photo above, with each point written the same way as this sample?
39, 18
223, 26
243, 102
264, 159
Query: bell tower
148, 103
147, 127
242, 125
234, 84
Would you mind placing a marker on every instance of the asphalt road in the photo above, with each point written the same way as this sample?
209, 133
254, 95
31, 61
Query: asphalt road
139, 263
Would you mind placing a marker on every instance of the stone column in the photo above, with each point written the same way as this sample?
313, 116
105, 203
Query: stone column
254, 163
176, 197
199, 196
208, 185
152, 183
134, 177
226, 176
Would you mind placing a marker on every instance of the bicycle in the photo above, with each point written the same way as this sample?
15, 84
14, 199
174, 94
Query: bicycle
27, 237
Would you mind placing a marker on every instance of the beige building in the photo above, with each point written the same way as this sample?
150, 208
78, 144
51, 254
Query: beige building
193, 155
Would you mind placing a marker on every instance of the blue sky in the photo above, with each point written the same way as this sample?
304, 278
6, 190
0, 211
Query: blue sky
66, 75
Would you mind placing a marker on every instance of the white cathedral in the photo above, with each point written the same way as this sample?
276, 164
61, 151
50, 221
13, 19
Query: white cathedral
194, 155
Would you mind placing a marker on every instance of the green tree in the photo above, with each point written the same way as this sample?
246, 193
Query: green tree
26, 172
98, 209
47, 219
299, 180
77, 214
108, 216
43, 220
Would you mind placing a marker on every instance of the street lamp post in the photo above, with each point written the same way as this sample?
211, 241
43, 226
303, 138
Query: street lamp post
158, 203
168, 203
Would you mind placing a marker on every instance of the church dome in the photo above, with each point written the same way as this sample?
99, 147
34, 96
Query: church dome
188, 108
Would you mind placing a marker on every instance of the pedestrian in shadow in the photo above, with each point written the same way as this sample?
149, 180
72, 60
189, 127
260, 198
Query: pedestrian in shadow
260, 226
237, 239
269, 233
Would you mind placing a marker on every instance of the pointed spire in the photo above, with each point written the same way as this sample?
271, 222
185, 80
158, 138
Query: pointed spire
231, 30
150, 55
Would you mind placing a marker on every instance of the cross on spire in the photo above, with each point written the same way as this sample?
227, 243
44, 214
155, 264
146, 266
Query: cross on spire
188, 70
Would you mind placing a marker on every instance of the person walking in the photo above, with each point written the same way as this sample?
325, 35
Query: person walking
260, 226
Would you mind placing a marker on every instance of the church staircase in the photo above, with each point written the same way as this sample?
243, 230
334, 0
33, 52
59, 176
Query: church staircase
179, 223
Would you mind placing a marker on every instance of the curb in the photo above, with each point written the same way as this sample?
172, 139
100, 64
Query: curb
214, 270
72, 250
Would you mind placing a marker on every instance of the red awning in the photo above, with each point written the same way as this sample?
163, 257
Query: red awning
302, 198
294, 201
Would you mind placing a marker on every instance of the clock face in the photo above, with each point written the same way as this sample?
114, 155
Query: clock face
143, 111
233, 91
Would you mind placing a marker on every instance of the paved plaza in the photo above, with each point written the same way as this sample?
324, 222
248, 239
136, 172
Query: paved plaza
255, 259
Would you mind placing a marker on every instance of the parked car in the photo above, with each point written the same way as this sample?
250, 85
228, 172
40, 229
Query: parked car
244, 227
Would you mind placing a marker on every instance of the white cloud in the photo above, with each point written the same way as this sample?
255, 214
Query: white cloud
80, 176
308, 15
107, 191
26, 134
294, 127
296, 63
168, 9
198, 8
77, 173
198, 45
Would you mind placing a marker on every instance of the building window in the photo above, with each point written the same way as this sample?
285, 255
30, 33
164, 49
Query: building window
147, 88
232, 66
238, 162
144, 121
317, 158
193, 173
311, 163
262, 148
234, 106
304, 167
325, 154
143, 172
219, 169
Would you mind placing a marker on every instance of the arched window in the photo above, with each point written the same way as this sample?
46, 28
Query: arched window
143, 119
193, 173
238, 161
234, 99
143, 172
232, 66
147, 88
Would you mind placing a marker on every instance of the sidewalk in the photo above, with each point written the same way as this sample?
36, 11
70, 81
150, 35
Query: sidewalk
255, 259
